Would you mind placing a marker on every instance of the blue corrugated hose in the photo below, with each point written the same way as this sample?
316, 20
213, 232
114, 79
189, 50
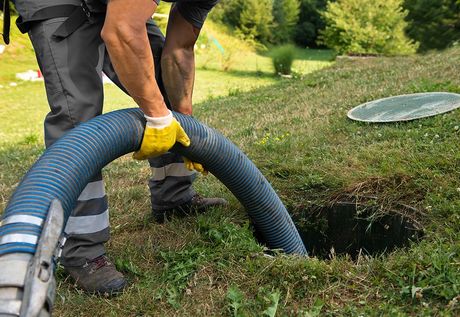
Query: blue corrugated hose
66, 167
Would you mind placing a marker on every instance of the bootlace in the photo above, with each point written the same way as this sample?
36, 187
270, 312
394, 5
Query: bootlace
100, 262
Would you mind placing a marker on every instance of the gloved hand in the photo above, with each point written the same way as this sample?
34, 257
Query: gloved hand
194, 166
160, 135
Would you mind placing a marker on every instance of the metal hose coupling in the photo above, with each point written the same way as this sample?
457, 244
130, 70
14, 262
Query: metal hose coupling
27, 284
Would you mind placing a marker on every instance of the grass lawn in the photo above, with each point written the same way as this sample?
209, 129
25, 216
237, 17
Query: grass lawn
297, 133
24, 105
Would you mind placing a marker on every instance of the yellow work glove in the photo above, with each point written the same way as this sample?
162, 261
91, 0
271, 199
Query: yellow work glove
194, 166
161, 133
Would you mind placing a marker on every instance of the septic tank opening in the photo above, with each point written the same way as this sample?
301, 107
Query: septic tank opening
352, 228
355, 229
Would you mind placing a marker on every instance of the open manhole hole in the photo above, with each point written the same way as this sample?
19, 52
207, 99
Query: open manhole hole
354, 229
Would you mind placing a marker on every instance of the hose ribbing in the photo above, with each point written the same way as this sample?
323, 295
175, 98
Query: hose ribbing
66, 167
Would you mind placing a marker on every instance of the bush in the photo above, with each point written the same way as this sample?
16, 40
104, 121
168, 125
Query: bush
310, 22
282, 58
286, 16
434, 23
367, 27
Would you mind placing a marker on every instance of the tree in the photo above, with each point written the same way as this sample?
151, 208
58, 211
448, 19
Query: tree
286, 16
434, 23
310, 22
228, 12
251, 18
367, 27
256, 20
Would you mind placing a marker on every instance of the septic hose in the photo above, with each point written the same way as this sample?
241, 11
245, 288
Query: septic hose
66, 167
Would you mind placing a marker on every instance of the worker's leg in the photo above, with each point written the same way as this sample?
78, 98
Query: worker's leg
171, 182
178, 73
72, 71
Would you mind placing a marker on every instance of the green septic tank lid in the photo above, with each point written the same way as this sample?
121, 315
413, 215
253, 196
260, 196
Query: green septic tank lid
405, 107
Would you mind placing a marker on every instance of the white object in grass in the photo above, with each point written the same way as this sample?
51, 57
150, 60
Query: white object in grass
30, 75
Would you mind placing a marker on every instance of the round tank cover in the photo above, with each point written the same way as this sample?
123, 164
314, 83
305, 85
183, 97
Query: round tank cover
405, 107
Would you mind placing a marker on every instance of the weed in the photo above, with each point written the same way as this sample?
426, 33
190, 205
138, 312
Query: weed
234, 92
273, 300
235, 298
127, 266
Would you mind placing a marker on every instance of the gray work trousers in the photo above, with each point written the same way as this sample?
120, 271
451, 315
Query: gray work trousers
72, 68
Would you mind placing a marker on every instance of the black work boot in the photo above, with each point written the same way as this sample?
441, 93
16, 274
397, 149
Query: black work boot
98, 276
198, 204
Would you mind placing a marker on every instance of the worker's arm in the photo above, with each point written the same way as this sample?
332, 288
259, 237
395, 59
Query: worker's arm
178, 61
178, 68
125, 36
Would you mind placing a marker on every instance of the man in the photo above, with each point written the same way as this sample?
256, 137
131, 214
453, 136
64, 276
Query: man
74, 42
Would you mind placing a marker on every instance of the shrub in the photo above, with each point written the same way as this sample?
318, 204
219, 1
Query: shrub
286, 16
367, 27
282, 58
434, 23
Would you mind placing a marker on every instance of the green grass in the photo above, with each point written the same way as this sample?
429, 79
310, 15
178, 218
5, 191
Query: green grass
24, 106
297, 133
241, 57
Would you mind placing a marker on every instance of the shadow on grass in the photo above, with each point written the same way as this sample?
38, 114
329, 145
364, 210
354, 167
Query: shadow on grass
242, 73
307, 54
315, 55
